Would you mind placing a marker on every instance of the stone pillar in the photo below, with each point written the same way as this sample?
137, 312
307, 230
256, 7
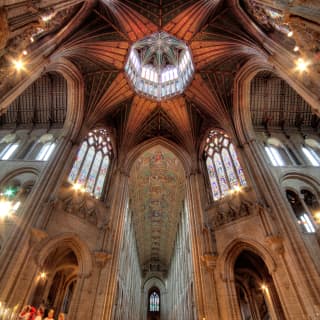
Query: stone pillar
296, 265
17, 251
204, 284
107, 286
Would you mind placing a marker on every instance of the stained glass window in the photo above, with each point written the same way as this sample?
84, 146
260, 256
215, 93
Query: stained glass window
224, 169
154, 302
91, 165
213, 180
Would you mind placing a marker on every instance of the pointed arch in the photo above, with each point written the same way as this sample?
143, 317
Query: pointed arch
69, 240
181, 154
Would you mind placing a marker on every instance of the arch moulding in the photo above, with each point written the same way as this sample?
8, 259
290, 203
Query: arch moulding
69, 240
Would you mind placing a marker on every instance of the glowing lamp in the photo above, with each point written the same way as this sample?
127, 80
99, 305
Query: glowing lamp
5, 208
296, 49
18, 64
290, 34
302, 65
264, 287
43, 275
78, 187
9, 192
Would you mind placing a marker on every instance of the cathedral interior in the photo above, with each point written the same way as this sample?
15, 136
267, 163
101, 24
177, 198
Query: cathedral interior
160, 159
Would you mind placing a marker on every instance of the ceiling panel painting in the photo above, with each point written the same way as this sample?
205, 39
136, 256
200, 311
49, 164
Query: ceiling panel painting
157, 188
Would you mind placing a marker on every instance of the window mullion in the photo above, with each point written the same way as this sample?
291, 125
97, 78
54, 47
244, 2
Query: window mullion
83, 160
91, 165
98, 173
217, 176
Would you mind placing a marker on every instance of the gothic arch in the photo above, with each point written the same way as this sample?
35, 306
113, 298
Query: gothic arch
134, 154
225, 268
155, 282
75, 87
69, 240
311, 183
227, 259
17, 172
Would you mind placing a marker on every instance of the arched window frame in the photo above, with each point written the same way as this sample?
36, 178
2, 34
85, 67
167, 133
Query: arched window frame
311, 151
46, 151
87, 171
9, 151
275, 150
224, 170
304, 218
10, 147
154, 301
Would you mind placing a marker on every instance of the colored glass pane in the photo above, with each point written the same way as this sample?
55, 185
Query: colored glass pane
221, 174
213, 179
94, 172
233, 181
102, 176
237, 165
86, 166
76, 166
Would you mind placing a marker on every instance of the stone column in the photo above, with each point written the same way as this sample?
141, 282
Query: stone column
204, 284
107, 285
17, 251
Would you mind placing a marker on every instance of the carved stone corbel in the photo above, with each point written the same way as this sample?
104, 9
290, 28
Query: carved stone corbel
276, 244
209, 260
36, 236
101, 258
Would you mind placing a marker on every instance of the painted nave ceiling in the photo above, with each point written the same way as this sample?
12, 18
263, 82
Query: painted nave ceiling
95, 38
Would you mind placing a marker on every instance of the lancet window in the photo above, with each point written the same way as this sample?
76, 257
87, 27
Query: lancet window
93, 160
278, 154
311, 150
224, 169
8, 147
154, 302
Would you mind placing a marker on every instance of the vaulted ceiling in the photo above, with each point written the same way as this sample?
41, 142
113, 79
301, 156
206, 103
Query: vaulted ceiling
95, 37
157, 185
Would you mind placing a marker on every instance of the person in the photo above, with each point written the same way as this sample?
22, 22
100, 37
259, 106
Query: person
39, 314
61, 316
25, 313
50, 315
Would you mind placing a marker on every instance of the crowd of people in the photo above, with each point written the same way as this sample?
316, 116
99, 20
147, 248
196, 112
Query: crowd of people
31, 313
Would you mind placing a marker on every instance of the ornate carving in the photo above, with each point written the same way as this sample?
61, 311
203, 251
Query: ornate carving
231, 211
210, 260
36, 236
80, 208
276, 244
101, 258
